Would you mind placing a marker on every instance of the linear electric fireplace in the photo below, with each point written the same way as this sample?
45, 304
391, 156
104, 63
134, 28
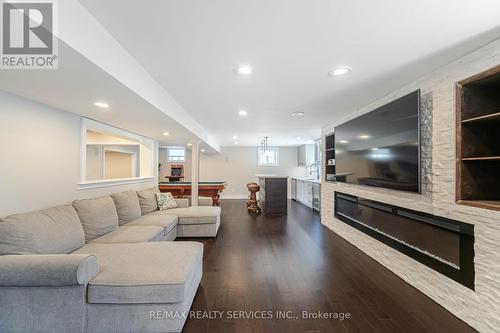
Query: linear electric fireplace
444, 245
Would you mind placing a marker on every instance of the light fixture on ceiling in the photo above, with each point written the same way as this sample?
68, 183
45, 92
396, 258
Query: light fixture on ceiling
166, 133
203, 150
264, 144
235, 137
244, 70
189, 144
374, 149
339, 71
343, 141
102, 105
243, 113
298, 138
236, 143
297, 114
364, 136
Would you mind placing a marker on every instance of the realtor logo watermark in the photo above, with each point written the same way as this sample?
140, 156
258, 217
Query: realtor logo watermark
28, 35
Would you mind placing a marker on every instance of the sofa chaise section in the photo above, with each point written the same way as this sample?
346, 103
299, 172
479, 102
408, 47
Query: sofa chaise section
137, 279
198, 221
193, 221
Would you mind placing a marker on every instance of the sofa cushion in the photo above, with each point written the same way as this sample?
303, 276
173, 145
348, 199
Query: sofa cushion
194, 215
147, 200
56, 230
161, 272
135, 234
127, 206
167, 222
98, 216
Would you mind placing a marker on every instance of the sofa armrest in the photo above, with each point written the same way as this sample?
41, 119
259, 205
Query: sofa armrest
182, 202
47, 270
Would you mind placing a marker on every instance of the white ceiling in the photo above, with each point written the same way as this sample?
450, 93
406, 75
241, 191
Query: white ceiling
191, 48
78, 83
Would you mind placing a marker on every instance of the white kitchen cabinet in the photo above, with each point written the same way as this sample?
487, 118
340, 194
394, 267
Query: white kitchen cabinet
309, 194
300, 190
306, 155
304, 192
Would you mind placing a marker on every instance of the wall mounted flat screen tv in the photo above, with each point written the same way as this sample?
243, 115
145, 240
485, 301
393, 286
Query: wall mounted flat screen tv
382, 148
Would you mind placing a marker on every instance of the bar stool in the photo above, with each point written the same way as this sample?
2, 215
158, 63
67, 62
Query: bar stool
252, 204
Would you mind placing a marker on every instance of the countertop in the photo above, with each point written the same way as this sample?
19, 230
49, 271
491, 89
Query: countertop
317, 181
270, 175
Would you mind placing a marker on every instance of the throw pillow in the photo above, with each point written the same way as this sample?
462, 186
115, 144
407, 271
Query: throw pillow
166, 201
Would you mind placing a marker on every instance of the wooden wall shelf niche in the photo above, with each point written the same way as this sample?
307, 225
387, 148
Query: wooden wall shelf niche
329, 156
478, 140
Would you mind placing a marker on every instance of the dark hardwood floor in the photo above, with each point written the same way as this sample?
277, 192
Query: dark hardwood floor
293, 263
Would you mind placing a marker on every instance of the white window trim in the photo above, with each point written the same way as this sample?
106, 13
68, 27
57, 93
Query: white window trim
269, 165
89, 124
175, 147
112, 182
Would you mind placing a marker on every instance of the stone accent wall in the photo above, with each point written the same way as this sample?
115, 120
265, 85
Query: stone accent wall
479, 308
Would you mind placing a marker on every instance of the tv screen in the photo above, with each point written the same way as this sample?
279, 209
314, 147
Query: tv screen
382, 147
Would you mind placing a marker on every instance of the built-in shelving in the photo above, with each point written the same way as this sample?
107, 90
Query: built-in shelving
329, 156
478, 140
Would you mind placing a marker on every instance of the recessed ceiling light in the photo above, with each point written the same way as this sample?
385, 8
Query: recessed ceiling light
364, 136
166, 133
203, 150
298, 138
244, 69
374, 149
189, 144
236, 142
339, 71
243, 113
102, 105
297, 114
343, 141
235, 137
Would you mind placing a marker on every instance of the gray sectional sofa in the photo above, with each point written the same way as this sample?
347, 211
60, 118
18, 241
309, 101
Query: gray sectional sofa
102, 265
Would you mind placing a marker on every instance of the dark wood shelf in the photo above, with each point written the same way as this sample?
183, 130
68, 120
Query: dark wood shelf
329, 153
489, 204
478, 140
485, 158
493, 116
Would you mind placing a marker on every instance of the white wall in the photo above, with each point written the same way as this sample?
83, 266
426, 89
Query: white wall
479, 308
94, 169
40, 157
237, 166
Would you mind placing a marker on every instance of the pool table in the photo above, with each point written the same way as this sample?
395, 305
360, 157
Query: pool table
181, 189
